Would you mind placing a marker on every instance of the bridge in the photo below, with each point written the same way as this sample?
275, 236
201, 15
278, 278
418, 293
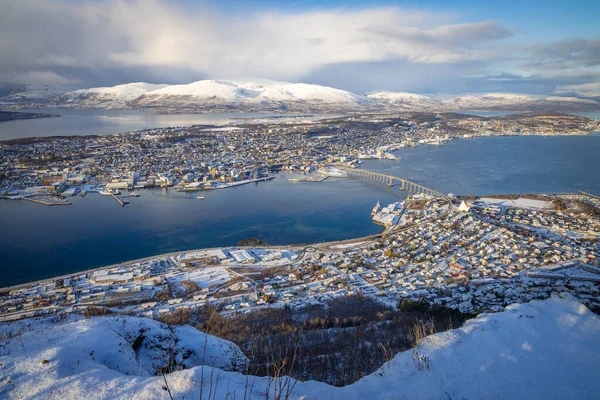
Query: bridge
390, 180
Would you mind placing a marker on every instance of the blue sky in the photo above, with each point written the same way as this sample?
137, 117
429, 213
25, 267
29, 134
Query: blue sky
539, 19
538, 47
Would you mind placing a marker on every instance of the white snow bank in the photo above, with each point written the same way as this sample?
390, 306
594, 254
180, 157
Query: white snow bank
100, 356
540, 350
520, 203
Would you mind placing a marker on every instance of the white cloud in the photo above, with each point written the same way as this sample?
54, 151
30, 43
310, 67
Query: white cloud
585, 89
62, 41
150, 33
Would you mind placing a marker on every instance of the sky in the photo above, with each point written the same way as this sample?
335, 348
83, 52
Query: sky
432, 47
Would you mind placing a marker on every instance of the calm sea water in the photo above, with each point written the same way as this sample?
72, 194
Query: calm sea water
74, 122
38, 241
525, 164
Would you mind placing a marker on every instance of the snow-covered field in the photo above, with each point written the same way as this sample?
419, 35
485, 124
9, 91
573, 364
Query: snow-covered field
520, 203
204, 277
539, 350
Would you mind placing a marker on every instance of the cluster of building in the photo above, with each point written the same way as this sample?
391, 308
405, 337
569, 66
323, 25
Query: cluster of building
524, 124
139, 282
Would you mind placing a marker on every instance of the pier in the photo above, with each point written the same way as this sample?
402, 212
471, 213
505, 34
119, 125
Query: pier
121, 202
47, 203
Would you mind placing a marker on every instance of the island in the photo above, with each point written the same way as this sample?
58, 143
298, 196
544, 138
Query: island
15, 115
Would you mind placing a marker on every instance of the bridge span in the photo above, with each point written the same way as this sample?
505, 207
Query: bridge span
390, 180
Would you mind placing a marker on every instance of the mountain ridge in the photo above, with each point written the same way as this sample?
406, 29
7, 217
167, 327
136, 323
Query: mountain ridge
255, 94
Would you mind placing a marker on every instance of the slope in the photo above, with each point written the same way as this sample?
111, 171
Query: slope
539, 350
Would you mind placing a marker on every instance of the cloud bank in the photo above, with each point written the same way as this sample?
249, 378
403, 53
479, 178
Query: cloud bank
108, 42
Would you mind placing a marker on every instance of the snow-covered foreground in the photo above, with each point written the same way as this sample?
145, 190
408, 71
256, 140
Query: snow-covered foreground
539, 350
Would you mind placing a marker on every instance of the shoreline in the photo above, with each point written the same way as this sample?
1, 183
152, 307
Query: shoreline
296, 246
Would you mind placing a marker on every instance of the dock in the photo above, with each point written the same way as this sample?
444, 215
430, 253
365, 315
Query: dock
47, 203
121, 202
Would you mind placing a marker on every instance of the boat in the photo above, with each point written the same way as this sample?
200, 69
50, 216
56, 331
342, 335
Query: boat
376, 209
201, 197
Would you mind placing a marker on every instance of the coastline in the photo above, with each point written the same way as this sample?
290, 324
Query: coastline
297, 246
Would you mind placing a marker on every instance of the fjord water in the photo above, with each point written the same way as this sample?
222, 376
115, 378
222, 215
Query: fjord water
500, 165
38, 242
81, 122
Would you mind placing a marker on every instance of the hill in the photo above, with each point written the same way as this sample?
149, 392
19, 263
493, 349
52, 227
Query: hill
539, 350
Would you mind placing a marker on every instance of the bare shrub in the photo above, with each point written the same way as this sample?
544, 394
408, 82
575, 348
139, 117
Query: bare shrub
96, 311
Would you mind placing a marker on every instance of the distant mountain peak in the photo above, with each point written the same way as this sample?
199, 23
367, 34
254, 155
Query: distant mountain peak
258, 94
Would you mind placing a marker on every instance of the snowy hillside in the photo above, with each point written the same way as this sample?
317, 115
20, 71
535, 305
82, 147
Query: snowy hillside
408, 101
483, 101
29, 93
248, 94
540, 350
113, 97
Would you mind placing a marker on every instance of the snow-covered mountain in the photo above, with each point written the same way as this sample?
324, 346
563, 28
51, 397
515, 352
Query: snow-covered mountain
29, 94
109, 97
483, 101
540, 350
255, 94
514, 102
250, 94
407, 101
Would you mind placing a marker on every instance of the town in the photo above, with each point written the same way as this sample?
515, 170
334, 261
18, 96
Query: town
197, 158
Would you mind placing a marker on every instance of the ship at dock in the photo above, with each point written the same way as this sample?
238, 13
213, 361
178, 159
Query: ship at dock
333, 172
